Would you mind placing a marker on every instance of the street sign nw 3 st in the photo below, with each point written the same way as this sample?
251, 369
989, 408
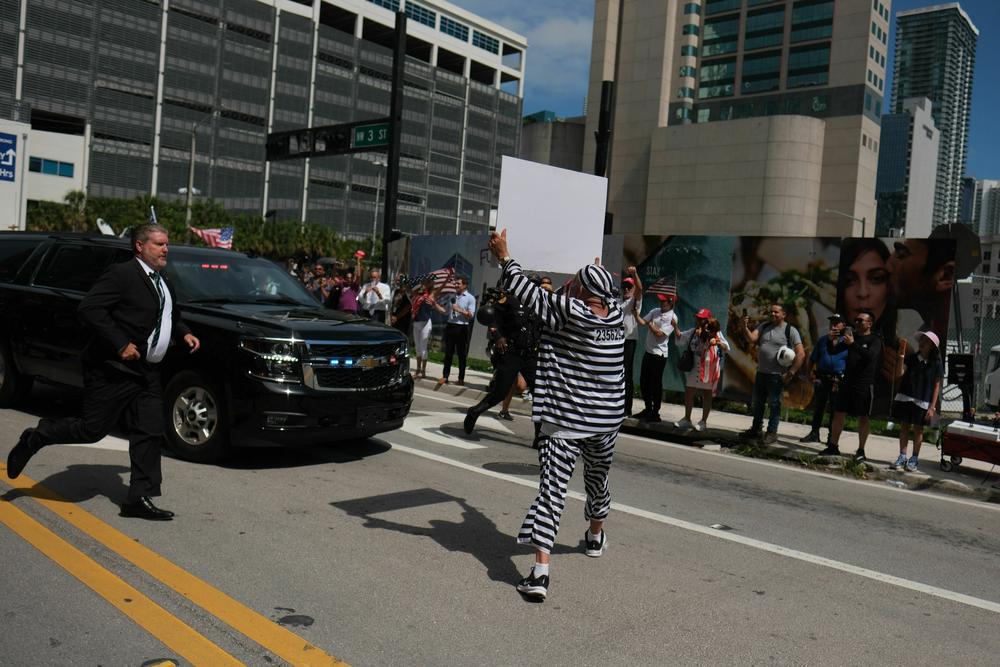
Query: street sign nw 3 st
370, 136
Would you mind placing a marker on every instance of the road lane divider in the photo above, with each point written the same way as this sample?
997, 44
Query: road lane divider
148, 615
882, 577
285, 644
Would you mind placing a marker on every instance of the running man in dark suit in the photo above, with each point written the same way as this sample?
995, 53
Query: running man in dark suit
132, 320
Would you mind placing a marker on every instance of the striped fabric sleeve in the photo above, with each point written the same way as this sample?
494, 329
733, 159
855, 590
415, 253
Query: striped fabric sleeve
554, 310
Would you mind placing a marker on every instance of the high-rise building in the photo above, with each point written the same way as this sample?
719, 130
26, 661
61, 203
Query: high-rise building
554, 141
741, 116
907, 171
935, 53
130, 82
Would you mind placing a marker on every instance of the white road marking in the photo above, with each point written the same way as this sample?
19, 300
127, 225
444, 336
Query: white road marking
813, 559
784, 466
428, 427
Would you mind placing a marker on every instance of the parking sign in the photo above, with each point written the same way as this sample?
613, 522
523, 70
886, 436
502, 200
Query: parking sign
8, 156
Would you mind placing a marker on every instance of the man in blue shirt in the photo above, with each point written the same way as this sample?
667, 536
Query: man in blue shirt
459, 309
826, 369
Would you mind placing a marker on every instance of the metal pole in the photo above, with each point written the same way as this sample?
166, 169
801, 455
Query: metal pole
190, 187
395, 137
378, 186
863, 226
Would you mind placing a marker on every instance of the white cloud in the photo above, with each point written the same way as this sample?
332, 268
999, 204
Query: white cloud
559, 37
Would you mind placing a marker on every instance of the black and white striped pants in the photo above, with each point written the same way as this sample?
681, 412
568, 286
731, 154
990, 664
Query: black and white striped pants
558, 458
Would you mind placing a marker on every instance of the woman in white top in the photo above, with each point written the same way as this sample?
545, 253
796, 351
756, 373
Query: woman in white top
708, 345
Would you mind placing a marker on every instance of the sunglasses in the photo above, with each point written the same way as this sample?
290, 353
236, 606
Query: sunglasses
860, 320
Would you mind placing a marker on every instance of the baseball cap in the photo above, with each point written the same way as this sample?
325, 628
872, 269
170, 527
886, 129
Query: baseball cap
703, 314
664, 297
628, 281
836, 318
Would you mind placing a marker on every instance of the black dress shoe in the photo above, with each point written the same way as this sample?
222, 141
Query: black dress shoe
22, 453
145, 509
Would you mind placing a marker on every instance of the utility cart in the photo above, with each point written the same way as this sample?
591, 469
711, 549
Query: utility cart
980, 442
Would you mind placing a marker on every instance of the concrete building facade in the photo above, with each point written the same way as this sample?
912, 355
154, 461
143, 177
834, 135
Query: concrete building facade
123, 84
742, 116
935, 54
554, 141
907, 171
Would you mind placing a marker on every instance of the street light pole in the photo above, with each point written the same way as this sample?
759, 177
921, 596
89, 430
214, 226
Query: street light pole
190, 185
848, 215
379, 163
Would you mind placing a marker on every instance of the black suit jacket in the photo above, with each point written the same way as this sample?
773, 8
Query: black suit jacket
120, 309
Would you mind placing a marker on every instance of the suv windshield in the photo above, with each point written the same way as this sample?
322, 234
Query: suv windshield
210, 277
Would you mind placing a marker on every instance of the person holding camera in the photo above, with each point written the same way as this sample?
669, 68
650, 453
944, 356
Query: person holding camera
375, 297
825, 370
514, 347
631, 297
857, 390
779, 356
707, 345
458, 310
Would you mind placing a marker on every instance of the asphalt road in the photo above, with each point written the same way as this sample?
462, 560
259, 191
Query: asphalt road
400, 551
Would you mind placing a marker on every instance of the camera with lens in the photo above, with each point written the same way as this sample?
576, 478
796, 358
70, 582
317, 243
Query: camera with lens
486, 313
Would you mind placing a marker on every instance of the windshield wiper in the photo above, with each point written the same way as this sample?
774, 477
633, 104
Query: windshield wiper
268, 299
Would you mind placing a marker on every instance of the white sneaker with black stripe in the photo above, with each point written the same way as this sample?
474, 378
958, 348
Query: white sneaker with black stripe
534, 587
595, 548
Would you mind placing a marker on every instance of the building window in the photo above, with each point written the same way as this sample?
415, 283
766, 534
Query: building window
717, 78
704, 115
764, 28
454, 28
688, 50
687, 70
685, 93
718, 6
812, 19
689, 29
761, 72
683, 113
692, 8
720, 36
50, 167
809, 66
421, 14
485, 42
391, 5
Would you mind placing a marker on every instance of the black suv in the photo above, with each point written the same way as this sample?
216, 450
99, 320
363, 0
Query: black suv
275, 367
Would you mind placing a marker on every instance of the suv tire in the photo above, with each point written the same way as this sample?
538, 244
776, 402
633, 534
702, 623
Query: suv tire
196, 418
13, 385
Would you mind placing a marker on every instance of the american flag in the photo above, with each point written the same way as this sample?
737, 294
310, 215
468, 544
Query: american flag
663, 286
215, 237
444, 280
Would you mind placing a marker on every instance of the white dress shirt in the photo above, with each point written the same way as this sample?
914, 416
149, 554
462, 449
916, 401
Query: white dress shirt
155, 355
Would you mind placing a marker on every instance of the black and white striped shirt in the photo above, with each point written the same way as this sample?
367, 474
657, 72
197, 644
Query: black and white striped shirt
580, 377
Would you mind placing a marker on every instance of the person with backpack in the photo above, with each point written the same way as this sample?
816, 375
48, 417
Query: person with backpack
708, 347
779, 356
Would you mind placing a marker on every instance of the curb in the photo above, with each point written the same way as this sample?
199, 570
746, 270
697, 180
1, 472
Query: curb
714, 439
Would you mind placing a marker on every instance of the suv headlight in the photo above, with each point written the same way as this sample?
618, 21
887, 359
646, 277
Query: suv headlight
274, 359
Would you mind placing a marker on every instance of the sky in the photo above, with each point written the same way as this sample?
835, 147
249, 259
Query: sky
558, 61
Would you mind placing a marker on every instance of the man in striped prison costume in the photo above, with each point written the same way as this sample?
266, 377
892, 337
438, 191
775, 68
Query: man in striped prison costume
578, 399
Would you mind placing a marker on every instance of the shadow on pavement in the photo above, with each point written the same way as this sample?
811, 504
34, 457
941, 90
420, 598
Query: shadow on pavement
292, 457
475, 534
77, 483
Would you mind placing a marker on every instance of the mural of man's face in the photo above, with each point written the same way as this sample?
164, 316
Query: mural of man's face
906, 267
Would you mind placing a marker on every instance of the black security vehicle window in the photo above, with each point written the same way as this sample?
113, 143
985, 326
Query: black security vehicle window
76, 266
13, 254
206, 277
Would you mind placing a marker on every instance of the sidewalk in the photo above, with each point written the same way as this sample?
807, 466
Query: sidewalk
972, 479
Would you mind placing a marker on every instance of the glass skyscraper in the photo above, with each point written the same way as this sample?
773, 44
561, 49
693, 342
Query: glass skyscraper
934, 58
136, 78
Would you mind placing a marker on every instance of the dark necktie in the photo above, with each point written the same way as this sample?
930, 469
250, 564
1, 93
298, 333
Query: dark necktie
155, 277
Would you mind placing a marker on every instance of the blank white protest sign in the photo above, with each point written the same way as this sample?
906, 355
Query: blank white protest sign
554, 217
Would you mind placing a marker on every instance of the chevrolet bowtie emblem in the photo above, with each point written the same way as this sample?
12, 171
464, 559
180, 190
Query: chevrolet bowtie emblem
368, 363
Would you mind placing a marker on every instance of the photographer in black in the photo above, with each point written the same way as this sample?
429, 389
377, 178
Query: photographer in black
513, 348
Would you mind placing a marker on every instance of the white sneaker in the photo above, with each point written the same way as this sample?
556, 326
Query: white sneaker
683, 424
526, 396
700, 426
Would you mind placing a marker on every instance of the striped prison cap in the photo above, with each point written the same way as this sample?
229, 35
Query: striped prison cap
596, 280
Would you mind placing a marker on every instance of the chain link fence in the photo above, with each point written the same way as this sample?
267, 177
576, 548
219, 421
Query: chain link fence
975, 329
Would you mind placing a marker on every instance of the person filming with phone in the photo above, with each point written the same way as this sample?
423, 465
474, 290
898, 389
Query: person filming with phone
857, 389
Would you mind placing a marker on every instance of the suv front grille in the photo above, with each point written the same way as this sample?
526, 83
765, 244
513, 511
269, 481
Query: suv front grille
352, 366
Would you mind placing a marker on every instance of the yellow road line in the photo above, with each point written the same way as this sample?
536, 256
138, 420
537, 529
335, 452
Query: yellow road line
153, 618
283, 643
